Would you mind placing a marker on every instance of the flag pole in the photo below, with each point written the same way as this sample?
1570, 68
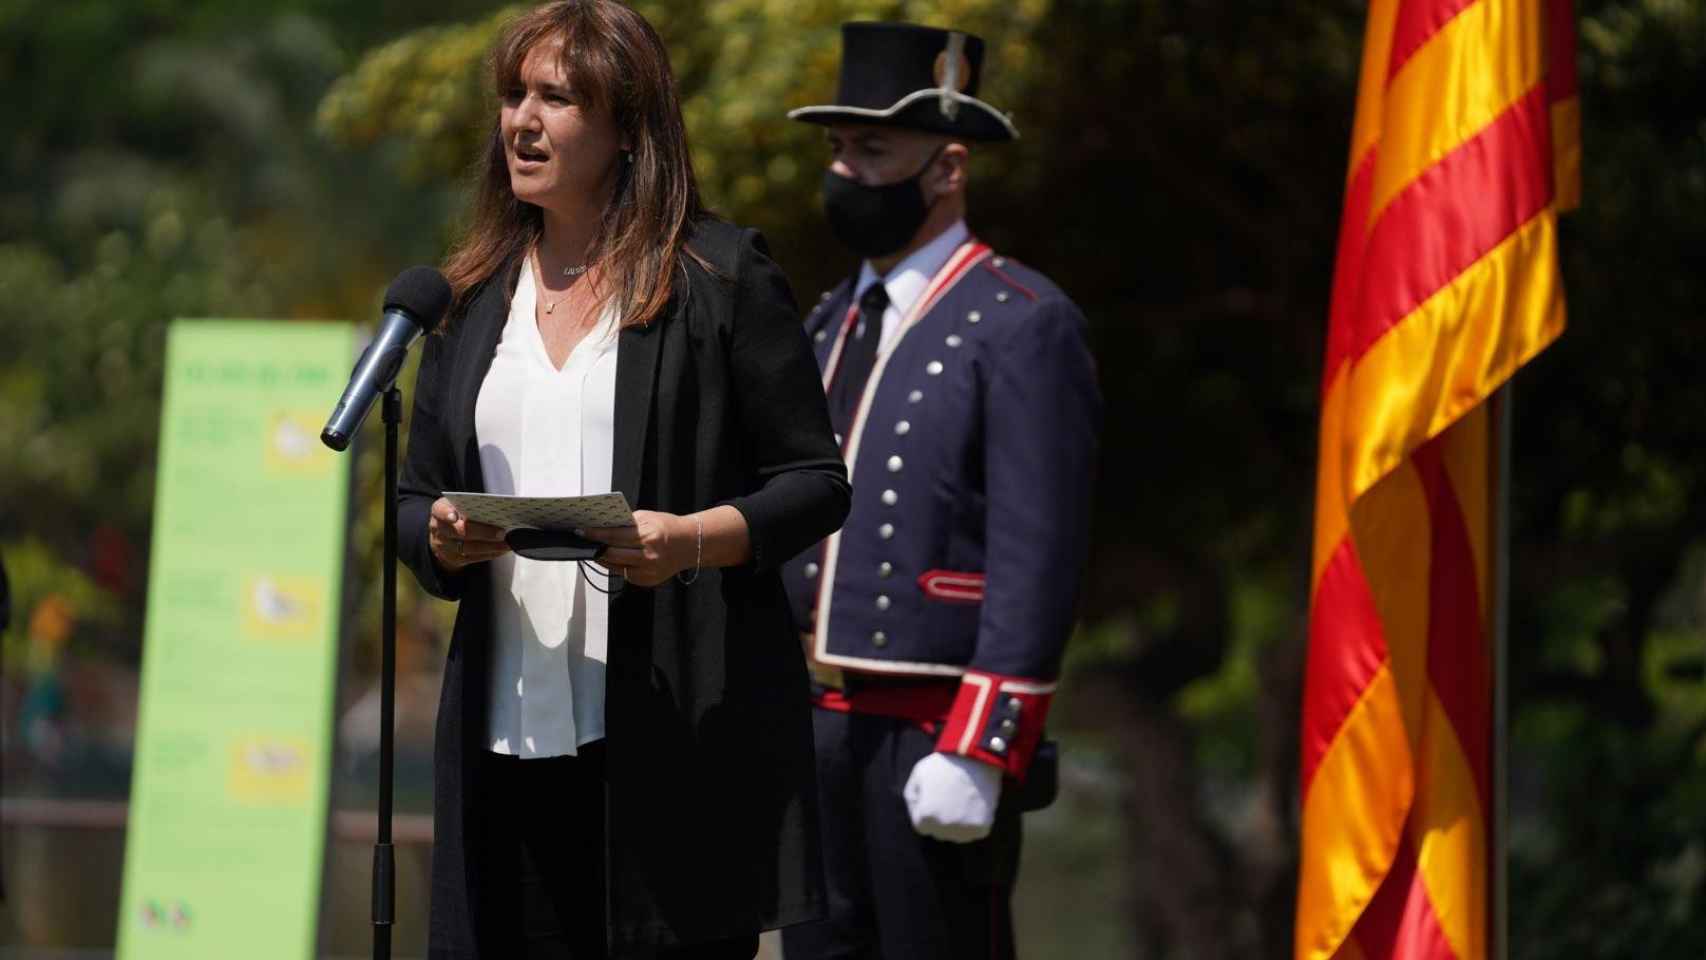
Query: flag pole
1500, 854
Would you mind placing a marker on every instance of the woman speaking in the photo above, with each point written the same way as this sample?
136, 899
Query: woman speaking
623, 773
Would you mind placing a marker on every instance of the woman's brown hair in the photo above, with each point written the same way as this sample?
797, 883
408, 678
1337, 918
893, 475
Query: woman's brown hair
614, 59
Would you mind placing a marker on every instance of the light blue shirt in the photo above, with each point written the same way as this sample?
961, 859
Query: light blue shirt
909, 279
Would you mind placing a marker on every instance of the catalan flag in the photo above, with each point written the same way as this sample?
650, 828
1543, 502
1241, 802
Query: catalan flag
1463, 152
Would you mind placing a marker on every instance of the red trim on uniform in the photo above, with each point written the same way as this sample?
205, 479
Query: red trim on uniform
952, 586
1027, 291
985, 700
831, 699
969, 251
922, 703
835, 352
959, 264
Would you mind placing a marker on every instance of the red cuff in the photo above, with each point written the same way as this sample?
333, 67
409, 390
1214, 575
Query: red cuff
998, 720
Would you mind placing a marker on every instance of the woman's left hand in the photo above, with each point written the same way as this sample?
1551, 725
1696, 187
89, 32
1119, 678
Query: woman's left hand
658, 546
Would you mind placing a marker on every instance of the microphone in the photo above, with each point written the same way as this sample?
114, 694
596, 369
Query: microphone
413, 303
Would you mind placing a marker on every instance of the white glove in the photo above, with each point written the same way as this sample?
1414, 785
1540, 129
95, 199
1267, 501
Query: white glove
952, 798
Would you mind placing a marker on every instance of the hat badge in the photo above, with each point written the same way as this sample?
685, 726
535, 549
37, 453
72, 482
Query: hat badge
952, 73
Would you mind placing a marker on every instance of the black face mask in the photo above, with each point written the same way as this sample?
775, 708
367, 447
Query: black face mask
875, 221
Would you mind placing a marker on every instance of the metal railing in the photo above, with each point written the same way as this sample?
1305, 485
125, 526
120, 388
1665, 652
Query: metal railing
43, 812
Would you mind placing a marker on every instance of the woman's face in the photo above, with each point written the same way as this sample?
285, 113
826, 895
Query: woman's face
562, 149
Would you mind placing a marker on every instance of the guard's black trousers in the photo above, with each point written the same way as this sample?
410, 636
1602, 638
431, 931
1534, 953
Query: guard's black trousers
894, 895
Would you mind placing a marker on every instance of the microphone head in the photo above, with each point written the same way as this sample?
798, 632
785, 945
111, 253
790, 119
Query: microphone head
420, 292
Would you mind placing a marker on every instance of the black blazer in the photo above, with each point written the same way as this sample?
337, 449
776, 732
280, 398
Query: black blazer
712, 818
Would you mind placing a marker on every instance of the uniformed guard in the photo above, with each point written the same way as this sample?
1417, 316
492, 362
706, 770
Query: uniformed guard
964, 397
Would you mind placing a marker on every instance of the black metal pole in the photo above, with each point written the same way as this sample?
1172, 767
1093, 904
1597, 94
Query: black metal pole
384, 860
1499, 860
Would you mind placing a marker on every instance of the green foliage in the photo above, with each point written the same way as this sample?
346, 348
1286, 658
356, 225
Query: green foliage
36, 572
741, 65
1223, 705
1618, 866
427, 89
1179, 174
1608, 653
78, 430
163, 167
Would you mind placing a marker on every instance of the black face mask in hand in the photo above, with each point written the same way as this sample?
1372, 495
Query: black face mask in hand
875, 221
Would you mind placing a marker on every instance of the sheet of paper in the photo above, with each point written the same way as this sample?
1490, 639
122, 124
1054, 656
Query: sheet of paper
543, 513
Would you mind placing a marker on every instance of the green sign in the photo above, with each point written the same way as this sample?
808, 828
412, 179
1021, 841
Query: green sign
234, 734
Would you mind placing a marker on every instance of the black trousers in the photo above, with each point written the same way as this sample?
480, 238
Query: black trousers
895, 895
541, 863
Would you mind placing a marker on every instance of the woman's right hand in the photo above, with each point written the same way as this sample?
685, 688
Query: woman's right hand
458, 541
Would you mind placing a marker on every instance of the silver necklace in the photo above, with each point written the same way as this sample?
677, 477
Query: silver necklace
569, 272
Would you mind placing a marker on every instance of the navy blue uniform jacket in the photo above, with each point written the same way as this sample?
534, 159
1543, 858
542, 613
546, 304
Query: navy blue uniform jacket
971, 458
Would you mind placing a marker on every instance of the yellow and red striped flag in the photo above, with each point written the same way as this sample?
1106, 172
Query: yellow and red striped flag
1463, 152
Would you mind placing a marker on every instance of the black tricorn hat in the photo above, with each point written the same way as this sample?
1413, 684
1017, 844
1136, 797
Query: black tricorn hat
920, 78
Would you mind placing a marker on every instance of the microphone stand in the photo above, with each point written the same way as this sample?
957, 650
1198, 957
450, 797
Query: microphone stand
384, 860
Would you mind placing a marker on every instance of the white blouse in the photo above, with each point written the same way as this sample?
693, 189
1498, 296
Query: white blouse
545, 431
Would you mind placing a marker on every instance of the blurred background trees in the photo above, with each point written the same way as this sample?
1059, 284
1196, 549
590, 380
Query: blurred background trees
1179, 174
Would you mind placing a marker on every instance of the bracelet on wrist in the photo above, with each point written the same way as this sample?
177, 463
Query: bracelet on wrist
698, 550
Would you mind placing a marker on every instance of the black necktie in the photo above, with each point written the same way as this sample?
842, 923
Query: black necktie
858, 356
